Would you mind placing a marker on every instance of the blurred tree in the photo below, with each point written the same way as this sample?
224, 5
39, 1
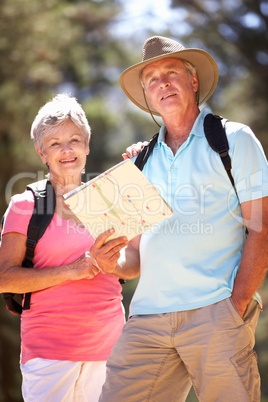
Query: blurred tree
235, 32
47, 47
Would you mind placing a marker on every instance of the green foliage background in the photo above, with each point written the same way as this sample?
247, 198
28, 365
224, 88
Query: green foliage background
73, 46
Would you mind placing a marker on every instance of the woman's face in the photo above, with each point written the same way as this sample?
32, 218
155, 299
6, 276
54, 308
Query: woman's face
65, 150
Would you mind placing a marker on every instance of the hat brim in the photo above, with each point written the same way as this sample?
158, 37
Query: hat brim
207, 71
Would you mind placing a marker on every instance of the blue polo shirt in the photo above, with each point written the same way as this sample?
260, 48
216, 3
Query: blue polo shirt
191, 259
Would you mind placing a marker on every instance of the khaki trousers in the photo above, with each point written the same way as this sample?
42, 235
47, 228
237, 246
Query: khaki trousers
158, 357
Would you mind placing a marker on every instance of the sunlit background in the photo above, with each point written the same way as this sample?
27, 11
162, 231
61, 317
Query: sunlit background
81, 47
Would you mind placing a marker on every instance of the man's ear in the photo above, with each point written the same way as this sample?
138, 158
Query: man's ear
42, 155
195, 82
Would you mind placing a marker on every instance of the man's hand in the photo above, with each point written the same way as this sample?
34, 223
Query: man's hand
133, 150
240, 306
107, 254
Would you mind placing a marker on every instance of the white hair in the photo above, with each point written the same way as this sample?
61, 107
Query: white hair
55, 113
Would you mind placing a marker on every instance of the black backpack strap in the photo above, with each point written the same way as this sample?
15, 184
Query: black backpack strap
214, 127
146, 152
44, 207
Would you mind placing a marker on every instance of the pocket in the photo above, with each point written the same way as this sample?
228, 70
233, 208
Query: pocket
246, 365
235, 314
252, 313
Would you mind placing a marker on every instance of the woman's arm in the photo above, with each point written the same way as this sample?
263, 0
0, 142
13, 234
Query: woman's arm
16, 279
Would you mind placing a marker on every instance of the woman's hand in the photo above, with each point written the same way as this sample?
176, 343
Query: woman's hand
133, 150
15, 279
85, 266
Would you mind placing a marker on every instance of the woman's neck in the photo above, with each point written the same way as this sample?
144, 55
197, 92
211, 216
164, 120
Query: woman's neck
63, 185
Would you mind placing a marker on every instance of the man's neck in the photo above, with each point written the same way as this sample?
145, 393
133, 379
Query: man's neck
179, 128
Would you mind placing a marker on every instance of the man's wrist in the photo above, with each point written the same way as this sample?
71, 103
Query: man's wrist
240, 304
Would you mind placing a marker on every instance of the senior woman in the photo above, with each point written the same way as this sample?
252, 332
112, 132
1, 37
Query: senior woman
76, 314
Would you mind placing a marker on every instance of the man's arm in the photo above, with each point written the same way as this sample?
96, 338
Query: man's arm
125, 264
254, 262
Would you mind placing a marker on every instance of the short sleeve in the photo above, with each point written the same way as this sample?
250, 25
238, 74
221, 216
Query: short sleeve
249, 164
18, 213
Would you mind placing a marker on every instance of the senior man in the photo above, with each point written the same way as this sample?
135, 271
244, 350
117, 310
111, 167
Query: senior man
195, 309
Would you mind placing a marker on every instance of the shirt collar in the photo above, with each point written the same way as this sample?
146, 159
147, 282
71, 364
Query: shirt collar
198, 127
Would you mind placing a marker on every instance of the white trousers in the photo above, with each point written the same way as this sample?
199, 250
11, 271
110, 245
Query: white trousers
62, 381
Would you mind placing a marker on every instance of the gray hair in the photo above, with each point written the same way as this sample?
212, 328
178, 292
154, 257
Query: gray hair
55, 113
191, 70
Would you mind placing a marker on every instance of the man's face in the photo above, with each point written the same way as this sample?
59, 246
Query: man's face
168, 85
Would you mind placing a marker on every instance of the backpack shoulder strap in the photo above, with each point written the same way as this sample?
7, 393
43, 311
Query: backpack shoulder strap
146, 152
214, 127
44, 207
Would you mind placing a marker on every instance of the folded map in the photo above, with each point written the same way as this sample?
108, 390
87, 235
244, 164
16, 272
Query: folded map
121, 198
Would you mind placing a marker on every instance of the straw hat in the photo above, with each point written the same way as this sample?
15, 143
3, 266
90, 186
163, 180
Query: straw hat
157, 48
